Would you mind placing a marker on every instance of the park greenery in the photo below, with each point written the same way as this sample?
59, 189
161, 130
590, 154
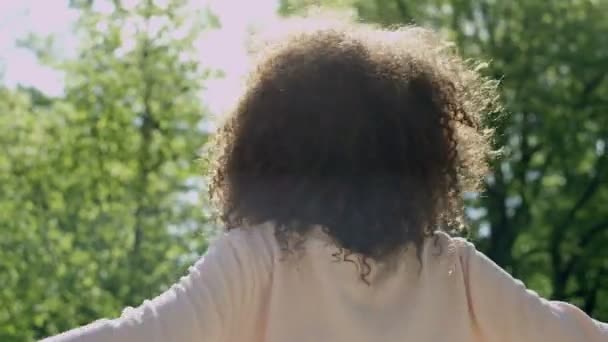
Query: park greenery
96, 185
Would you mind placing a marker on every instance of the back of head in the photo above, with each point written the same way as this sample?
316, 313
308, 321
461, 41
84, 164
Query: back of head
371, 134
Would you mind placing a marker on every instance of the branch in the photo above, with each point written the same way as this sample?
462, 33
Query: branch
590, 88
591, 297
543, 169
590, 190
403, 11
531, 252
560, 275
587, 238
490, 24
598, 228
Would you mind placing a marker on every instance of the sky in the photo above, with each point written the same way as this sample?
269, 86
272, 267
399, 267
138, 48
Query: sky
222, 49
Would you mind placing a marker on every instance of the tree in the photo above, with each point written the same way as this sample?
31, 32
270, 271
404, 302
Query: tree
544, 215
97, 206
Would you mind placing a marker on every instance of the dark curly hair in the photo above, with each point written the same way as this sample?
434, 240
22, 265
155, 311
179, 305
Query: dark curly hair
372, 134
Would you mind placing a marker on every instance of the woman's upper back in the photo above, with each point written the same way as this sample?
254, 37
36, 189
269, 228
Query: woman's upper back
451, 293
245, 289
319, 295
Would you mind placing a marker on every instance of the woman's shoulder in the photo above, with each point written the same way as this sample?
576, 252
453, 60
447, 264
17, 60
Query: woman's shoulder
249, 242
457, 253
444, 248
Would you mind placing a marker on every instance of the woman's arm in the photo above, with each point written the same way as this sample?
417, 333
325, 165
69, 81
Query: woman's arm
504, 310
202, 306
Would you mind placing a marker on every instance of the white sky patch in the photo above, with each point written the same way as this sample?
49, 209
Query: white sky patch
225, 49
222, 49
17, 19
23, 68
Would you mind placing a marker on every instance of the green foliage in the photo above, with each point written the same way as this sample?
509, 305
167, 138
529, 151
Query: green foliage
96, 207
544, 215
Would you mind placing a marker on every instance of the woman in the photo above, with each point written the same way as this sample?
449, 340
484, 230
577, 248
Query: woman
338, 177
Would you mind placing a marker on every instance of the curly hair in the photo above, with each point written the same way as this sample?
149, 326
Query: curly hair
370, 133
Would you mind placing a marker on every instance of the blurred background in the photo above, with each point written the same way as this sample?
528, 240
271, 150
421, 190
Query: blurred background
105, 105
